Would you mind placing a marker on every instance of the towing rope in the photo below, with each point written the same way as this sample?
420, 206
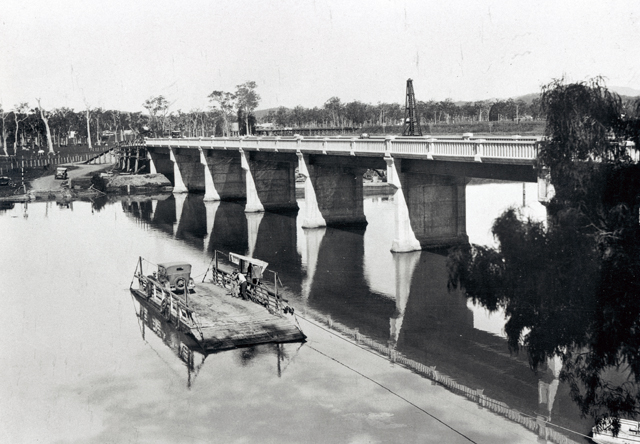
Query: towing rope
395, 394
399, 396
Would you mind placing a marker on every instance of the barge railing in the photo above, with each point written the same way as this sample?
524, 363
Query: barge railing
256, 292
172, 306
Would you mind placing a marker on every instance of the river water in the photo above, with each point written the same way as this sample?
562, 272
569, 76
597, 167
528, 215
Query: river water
84, 361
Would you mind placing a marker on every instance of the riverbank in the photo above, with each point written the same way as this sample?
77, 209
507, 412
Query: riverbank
84, 181
87, 181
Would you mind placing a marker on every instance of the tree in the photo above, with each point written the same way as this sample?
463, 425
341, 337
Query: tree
570, 289
334, 107
158, 108
44, 118
19, 115
5, 133
225, 103
356, 112
88, 119
98, 112
248, 100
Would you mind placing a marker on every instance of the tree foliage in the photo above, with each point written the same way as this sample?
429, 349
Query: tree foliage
570, 289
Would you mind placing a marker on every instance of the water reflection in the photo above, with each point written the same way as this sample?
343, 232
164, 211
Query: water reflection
569, 293
397, 299
187, 349
183, 346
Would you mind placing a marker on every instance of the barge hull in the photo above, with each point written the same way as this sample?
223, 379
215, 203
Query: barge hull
226, 322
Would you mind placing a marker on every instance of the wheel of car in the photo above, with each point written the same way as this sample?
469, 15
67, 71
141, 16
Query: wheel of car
180, 283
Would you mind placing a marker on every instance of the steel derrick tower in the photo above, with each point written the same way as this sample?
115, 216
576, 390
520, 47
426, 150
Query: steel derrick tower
411, 119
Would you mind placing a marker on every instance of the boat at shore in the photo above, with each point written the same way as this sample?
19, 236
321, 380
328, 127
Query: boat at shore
629, 433
223, 312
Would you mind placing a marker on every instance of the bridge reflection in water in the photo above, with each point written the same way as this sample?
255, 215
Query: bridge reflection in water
399, 300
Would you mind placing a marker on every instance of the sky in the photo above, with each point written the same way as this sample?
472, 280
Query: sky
116, 54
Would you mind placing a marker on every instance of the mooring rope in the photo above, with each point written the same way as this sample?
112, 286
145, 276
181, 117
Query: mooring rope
395, 394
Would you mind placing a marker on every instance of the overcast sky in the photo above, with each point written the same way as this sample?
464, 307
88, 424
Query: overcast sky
115, 54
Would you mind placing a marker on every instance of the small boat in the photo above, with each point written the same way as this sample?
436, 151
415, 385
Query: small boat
224, 312
629, 433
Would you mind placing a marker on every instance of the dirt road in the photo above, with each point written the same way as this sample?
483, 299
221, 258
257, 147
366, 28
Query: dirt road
49, 183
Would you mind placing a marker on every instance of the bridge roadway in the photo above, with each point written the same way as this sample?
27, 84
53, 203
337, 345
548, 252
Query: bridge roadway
429, 176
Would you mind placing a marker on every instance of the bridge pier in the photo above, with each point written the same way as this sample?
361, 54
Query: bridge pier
430, 209
188, 173
336, 185
160, 162
210, 192
405, 239
270, 181
152, 164
312, 217
253, 204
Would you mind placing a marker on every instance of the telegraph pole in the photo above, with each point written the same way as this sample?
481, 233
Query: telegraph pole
411, 119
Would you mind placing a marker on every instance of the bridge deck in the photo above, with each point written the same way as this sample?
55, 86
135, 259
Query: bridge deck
522, 150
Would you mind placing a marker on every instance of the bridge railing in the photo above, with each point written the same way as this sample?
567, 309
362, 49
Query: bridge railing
509, 149
503, 148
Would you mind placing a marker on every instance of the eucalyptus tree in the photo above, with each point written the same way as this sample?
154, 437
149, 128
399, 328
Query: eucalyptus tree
225, 103
45, 120
569, 287
335, 109
88, 121
60, 121
158, 108
98, 113
5, 133
247, 100
19, 115
356, 112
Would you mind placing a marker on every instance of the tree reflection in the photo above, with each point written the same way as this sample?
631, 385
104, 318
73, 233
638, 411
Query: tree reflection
571, 287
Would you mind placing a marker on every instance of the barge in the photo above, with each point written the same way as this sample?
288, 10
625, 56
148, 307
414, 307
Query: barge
230, 310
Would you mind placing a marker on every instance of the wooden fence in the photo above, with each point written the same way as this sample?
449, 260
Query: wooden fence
40, 162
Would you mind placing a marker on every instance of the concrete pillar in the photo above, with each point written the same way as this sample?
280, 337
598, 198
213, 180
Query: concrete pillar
178, 186
312, 217
210, 192
436, 209
404, 239
546, 191
152, 164
253, 201
339, 194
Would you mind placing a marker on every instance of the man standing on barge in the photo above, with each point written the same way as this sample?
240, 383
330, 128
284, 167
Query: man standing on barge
243, 285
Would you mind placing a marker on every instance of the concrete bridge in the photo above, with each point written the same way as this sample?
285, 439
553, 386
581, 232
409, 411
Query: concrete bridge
428, 174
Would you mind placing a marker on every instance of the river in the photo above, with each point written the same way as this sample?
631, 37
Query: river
81, 364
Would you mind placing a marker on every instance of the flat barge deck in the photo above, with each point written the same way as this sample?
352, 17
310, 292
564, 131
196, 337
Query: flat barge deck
214, 314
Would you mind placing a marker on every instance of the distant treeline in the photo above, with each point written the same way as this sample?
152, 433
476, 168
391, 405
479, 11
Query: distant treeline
24, 127
334, 113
